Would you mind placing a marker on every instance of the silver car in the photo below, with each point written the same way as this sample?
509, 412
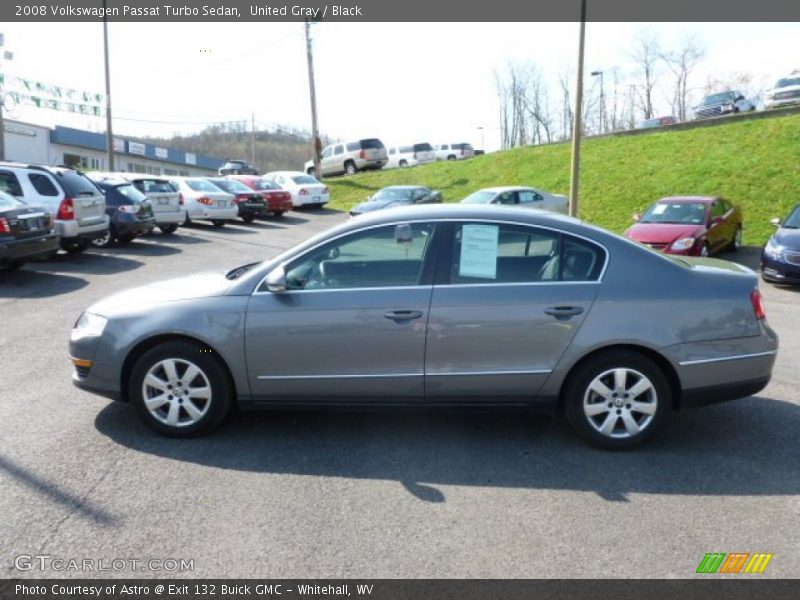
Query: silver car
438, 305
524, 197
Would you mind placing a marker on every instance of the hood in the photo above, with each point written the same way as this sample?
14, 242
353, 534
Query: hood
202, 285
663, 233
371, 205
788, 238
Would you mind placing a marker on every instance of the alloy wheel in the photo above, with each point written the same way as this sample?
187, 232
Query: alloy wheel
176, 392
620, 403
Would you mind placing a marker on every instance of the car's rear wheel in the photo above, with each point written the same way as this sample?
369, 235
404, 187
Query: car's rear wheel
350, 167
168, 229
616, 400
180, 389
736, 242
277, 214
218, 223
248, 218
105, 240
310, 171
74, 246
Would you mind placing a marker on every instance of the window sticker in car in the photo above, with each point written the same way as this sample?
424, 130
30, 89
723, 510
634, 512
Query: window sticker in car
659, 209
479, 251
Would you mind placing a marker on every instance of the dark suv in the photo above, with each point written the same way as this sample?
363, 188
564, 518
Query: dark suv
130, 212
237, 167
723, 103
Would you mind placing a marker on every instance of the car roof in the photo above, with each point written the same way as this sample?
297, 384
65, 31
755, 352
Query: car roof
706, 199
506, 188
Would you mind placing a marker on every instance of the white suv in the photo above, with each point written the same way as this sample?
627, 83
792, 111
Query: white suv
349, 158
786, 91
76, 203
408, 156
456, 151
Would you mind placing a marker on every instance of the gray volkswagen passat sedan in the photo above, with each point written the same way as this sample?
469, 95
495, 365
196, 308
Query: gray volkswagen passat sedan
438, 306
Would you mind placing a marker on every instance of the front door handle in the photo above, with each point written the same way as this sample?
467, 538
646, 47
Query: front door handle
403, 315
563, 312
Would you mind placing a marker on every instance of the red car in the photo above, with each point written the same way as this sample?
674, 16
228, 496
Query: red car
278, 200
689, 225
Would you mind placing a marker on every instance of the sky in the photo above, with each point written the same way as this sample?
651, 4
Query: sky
401, 82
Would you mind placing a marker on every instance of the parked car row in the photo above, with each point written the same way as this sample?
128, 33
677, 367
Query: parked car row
45, 208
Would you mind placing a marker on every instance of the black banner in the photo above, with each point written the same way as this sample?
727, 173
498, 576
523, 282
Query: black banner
390, 589
400, 11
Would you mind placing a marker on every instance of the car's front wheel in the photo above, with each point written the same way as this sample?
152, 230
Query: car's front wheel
180, 389
350, 168
218, 223
616, 400
168, 229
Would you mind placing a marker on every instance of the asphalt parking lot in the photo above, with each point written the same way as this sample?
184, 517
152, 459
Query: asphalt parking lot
403, 495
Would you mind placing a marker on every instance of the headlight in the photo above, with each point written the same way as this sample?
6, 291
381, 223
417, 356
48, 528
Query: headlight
682, 244
727, 107
773, 250
88, 325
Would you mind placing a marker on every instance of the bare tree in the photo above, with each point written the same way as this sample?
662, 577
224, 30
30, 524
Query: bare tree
565, 79
682, 62
646, 54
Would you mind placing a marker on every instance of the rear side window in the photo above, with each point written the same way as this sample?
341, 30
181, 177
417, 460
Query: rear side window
371, 144
76, 184
9, 184
42, 184
492, 253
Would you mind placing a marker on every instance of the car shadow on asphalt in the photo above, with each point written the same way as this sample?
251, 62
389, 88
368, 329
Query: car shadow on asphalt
746, 447
230, 228
96, 262
27, 283
138, 248
749, 256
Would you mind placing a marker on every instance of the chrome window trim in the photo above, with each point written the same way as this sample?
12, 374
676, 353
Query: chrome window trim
703, 361
470, 373
448, 220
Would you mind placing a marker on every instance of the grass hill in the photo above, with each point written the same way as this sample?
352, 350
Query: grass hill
754, 163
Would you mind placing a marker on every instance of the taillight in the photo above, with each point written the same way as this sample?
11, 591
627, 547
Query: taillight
303, 192
205, 200
128, 208
4, 228
362, 155
66, 210
180, 198
758, 304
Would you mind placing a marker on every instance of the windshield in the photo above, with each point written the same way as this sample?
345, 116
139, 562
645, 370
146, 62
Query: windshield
301, 179
793, 220
124, 194
675, 212
393, 195
718, 98
787, 82
201, 185
479, 198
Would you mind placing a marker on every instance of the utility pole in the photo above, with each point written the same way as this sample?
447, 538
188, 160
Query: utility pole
483, 139
109, 132
577, 125
253, 138
602, 99
6, 56
316, 144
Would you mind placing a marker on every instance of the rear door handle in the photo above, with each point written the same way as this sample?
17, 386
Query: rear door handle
563, 312
403, 315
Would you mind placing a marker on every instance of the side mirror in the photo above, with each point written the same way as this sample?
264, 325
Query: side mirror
775, 222
636, 217
403, 234
276, 280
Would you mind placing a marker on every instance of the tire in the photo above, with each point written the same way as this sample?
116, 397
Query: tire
218, 223
350, 168
105, 240
14, 265
74, 247
277, 214
125, 239
597, 409
403, 163
736, 242
168, 229
705, 250
451, 157
310, 171
208, 393
248, 218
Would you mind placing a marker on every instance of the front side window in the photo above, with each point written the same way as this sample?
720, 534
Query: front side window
505, 198
389, 256
495, 253
528, 197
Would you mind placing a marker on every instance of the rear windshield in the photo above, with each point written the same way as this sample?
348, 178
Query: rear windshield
76, 184
150, 186
7, 200
124, 194
461, 146
301, 179
371, 143
201, 185
422, 147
